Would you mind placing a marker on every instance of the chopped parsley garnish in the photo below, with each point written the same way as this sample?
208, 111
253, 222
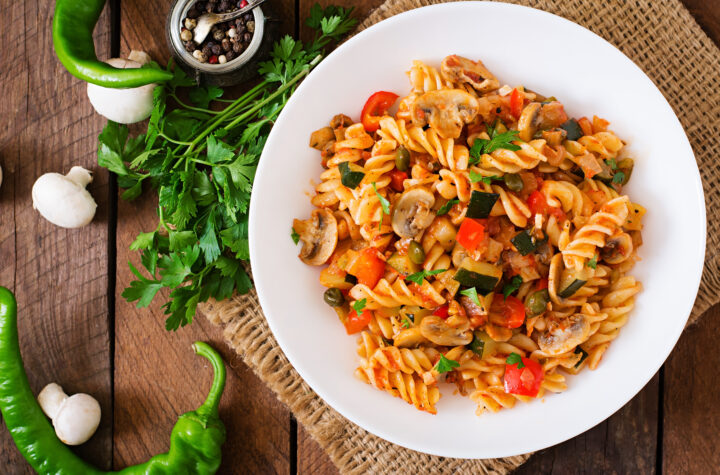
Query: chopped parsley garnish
294, 235
359, 305
515, 358
446, 207
592, 263
514, 284
496, 141
611, 163
619, 177
384, 203
477, 177
444, 365
406, 323
418, 277
473, 295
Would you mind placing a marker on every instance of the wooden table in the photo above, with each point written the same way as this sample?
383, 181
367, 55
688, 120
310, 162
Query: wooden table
78, 331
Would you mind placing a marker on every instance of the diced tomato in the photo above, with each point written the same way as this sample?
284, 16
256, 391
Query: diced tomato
599, 125
471, 233
541, 283
516, 102
441, 312
368, 267
355, 323
536, 202
397, 178
524, 381
585, 125
376, 106
508, 313
557, 212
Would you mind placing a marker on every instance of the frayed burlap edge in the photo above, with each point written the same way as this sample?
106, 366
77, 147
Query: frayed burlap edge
666, 42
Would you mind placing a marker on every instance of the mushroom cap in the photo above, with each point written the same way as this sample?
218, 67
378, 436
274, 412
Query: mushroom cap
527, 123
617, 248
125, 106
319, 236
439, 332
63, 201
455, 68
446, 110
51, 398
77, 419
412, 212
565, 335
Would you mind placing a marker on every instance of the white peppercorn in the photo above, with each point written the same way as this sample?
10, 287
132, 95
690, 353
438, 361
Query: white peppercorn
218, 35
199, 55
186, 35
250, 26
232, 32
190, 23
222, 59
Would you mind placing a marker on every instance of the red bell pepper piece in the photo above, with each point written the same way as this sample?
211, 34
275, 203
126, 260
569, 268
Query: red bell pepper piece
517, 99
376, 106
523, 381
441, 312
368, 268
471, 233
397, 178
355, 323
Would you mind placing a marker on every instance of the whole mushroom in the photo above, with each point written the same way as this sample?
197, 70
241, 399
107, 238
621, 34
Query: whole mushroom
125, 106
63, 199
75, 418
319, 236
446, 110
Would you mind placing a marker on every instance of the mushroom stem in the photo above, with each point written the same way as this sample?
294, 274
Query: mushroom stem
80, 176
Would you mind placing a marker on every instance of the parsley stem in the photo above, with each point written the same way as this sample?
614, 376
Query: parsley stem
192, 108
162, 134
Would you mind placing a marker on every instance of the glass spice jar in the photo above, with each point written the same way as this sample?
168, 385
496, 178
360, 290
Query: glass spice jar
241, 67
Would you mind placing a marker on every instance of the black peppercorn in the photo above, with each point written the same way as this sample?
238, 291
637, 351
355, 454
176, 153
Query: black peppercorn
189, 46
207, 51
193, 13
238, 47
217, 50
247, 17
224, 5
230, 55
226, 45
247, 37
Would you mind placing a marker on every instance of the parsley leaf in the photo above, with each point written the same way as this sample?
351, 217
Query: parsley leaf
384, 203
619, 177
496, 141
406, 323
359, 305
473, 295
446, 207
514, 284
418, 277
477, 177
611, 163
444, 365
515, 358
592, 263
294, 235
202, 96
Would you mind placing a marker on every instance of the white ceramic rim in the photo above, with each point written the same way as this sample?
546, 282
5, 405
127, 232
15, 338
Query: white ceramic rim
518, 445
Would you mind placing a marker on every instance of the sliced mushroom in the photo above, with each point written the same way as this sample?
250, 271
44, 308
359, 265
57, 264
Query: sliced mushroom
563, 336
319, 236
321, 137
409, 338
527, 124
455, 68
445, 110
476, 314
413, 212
439, 332
341, 120
617, 248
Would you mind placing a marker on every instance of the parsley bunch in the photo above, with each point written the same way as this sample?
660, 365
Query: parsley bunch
202, 162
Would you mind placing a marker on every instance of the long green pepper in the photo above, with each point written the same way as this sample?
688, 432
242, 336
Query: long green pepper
72, 31
195, 440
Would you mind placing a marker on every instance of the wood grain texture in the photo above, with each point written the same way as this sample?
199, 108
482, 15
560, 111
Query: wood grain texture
59, 275
157, 377
311, 458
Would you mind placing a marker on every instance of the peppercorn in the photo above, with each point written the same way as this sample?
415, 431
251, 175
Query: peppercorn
226, 44
222, 59
218, 35
240, 25
209, 7
247, 17
186, 35
200, 55
232, 33
207, 51
189, 46
217, 49
230, 55
193, 13
190, 24
247, 37
250, 26
238, 47
213, 59
224, 5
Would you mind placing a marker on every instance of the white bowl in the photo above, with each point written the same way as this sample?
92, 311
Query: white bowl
545, 53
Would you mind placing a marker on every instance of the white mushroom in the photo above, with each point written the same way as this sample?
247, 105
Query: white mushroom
527, 123
617, 248
413, 212
409, 338
63, 199
439, 332
564, 335
446, 111
319, 236
75, 418
455, 68
125, 106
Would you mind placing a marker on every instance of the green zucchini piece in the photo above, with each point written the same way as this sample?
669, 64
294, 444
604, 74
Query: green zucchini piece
349, 177
484, 284
524, 242
350, 279
480, 204
572, 288
403, 264
582, 358
573, 129
482, 345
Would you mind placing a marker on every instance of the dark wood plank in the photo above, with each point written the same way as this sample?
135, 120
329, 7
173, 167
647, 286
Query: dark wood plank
362, 8
59, 276
707, 14
312, 459
157, 377
691, 411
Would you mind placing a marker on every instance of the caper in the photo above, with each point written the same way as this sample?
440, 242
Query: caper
416, 253
513, 181
536, 302
402, 159
334, 297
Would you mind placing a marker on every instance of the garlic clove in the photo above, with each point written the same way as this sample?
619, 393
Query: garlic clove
78, 419
63, 200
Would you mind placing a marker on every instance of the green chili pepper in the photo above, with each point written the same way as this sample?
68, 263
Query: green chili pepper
72, 30
194, 443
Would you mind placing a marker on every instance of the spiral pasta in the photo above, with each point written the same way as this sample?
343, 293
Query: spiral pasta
474, 241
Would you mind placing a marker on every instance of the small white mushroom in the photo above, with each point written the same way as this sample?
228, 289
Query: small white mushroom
564, 335
319, 236
409, 338
75, 418
439, 332
125, 106
446, 110
63, 199
413, 212
455, 68
527, 123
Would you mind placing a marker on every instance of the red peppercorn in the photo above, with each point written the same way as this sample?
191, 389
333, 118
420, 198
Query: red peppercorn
243, 4
213, 59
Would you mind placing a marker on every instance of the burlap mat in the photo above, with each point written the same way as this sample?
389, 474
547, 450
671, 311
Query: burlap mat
666, 42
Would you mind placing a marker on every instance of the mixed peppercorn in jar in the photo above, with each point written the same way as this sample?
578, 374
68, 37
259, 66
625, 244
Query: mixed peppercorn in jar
227, 40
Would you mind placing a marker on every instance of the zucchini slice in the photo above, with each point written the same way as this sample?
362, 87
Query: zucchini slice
573, 129
350, 279
348, 176
403, 264
524, 242
582, 358
480, 204
572, 288
482, 345
481, 275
